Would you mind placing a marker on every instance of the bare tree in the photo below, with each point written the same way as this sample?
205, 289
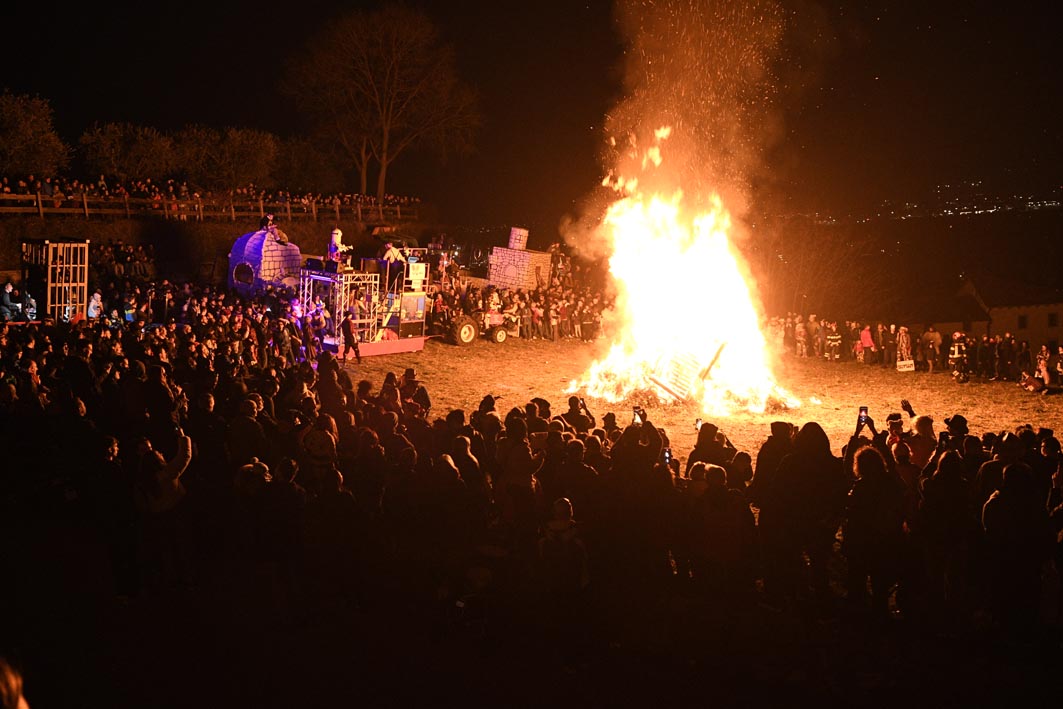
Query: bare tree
28, 141
331, 108
383, 82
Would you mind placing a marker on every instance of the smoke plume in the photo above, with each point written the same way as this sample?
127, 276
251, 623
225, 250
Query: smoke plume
706, 68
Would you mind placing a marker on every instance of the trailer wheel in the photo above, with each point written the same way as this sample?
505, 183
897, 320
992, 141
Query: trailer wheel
463, 331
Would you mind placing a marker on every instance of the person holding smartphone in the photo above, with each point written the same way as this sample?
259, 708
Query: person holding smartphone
578, 416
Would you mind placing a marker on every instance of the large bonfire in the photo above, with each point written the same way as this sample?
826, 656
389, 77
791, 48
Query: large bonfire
685, 324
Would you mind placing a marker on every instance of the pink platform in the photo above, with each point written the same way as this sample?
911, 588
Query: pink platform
383, 347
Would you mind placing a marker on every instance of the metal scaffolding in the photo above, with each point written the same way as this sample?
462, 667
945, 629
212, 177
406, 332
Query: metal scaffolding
340, 291
400, 308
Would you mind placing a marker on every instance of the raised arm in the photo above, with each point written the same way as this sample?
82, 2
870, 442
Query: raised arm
177, 465
653, 441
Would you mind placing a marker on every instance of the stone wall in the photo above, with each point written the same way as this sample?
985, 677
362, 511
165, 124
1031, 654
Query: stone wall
517, 268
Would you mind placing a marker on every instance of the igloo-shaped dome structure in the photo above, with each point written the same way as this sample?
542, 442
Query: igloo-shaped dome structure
261, 258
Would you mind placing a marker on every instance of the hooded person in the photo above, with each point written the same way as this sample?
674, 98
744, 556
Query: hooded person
1019, 538
711, 448
801, 511
544, 407
609, 423
777, 446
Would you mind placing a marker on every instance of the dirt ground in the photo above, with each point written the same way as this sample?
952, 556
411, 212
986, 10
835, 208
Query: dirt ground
517, 370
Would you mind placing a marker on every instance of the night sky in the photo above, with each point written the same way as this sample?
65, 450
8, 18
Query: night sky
893, 99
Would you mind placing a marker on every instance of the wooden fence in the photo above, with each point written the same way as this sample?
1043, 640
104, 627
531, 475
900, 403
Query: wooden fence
198, 209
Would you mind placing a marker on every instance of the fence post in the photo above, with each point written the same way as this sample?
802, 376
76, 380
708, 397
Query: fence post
288, 208
85, 204
232, 210
125, 200
398, 212
40, 206
199, 208
337, 205
261, 208
313, 209
359, 208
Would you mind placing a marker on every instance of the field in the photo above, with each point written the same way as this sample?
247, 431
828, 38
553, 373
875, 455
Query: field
459, 377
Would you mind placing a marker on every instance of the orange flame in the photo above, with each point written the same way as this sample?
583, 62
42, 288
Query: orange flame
685, 322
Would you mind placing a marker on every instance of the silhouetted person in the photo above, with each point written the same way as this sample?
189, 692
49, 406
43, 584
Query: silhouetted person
1019, 539
577, 416
804, 504
723, 529
948, 531
711, 447
873, 532
991, 475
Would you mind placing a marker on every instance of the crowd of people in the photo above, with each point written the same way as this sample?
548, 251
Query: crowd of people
204, 437
57, 190
175, 440
990, 357
567, 307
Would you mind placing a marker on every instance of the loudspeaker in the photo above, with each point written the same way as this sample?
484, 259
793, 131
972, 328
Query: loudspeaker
314, 264
332, 267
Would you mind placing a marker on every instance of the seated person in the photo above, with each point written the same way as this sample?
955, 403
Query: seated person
1031, 383
9, 307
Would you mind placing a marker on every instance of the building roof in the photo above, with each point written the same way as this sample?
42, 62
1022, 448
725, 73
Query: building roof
1001, 292
943, 307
